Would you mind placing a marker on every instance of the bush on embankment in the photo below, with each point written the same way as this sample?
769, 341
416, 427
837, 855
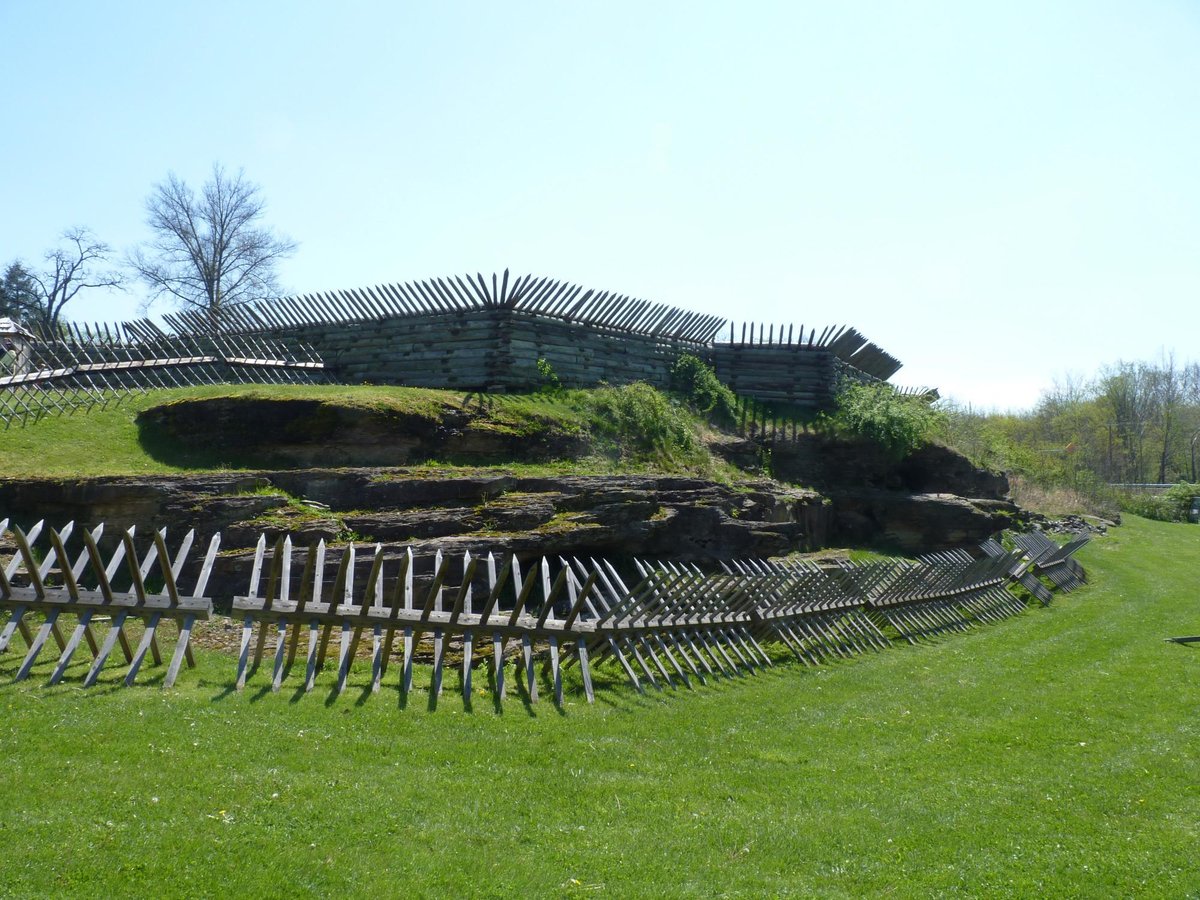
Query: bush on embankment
876, 411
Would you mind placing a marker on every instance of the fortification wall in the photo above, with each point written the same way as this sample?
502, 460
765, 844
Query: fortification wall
583, 356
777, 373
494, 350
464, 333
498, 350
453, 350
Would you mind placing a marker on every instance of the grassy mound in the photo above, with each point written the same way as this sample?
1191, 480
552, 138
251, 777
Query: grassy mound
1051, 755
628, 429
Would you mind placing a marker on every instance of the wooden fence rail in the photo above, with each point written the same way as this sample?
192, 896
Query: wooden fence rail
663, 624
117, 597
94, 368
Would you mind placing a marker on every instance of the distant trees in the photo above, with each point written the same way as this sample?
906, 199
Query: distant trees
209, 251
1149, 412
37, 298
18, 295
1135, 422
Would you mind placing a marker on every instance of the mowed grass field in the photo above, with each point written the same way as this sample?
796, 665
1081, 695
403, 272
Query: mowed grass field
1054, 755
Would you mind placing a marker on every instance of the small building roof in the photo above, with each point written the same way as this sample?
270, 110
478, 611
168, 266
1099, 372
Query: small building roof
9, 328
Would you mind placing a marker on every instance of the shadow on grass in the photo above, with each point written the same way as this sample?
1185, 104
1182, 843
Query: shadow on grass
262, 691
1189, 643
468, 700
497, 700
521, 689
611, 687
161, 445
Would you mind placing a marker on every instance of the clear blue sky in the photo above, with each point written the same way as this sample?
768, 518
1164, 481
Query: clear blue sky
997, 193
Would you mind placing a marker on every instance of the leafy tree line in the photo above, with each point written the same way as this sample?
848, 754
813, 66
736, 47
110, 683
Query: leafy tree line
207, 251
1132, 423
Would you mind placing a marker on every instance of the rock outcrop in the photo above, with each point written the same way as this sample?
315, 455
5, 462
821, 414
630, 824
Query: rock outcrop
854, 494
274, 432
934, 499
685, 519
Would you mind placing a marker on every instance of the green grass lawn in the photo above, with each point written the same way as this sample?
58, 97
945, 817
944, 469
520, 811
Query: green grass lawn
107, 441
1056, 754
110, 440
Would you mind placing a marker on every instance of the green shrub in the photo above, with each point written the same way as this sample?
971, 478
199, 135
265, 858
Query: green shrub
1170, 506
550, 382
877, 412
694, 380
644, 423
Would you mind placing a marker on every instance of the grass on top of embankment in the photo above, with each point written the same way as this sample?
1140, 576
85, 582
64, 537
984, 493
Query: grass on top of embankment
106, 441
1051, 755
109, 441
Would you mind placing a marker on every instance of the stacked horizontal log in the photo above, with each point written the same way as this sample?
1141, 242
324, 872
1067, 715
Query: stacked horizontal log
499, 349
490, 349
777, 373
451, 350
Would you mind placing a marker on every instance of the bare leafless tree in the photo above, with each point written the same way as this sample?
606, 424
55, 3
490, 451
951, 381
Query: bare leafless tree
209, 252
77, 263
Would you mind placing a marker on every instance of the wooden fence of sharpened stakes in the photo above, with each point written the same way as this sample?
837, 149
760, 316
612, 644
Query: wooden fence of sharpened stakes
1022, 571
93, 368
809, 611
428, 333
461, 333
1051, 560
120, 594
949, 591
669, 624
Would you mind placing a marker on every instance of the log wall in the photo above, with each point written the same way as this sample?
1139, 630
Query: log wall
493, 350
777, 373
471, 334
